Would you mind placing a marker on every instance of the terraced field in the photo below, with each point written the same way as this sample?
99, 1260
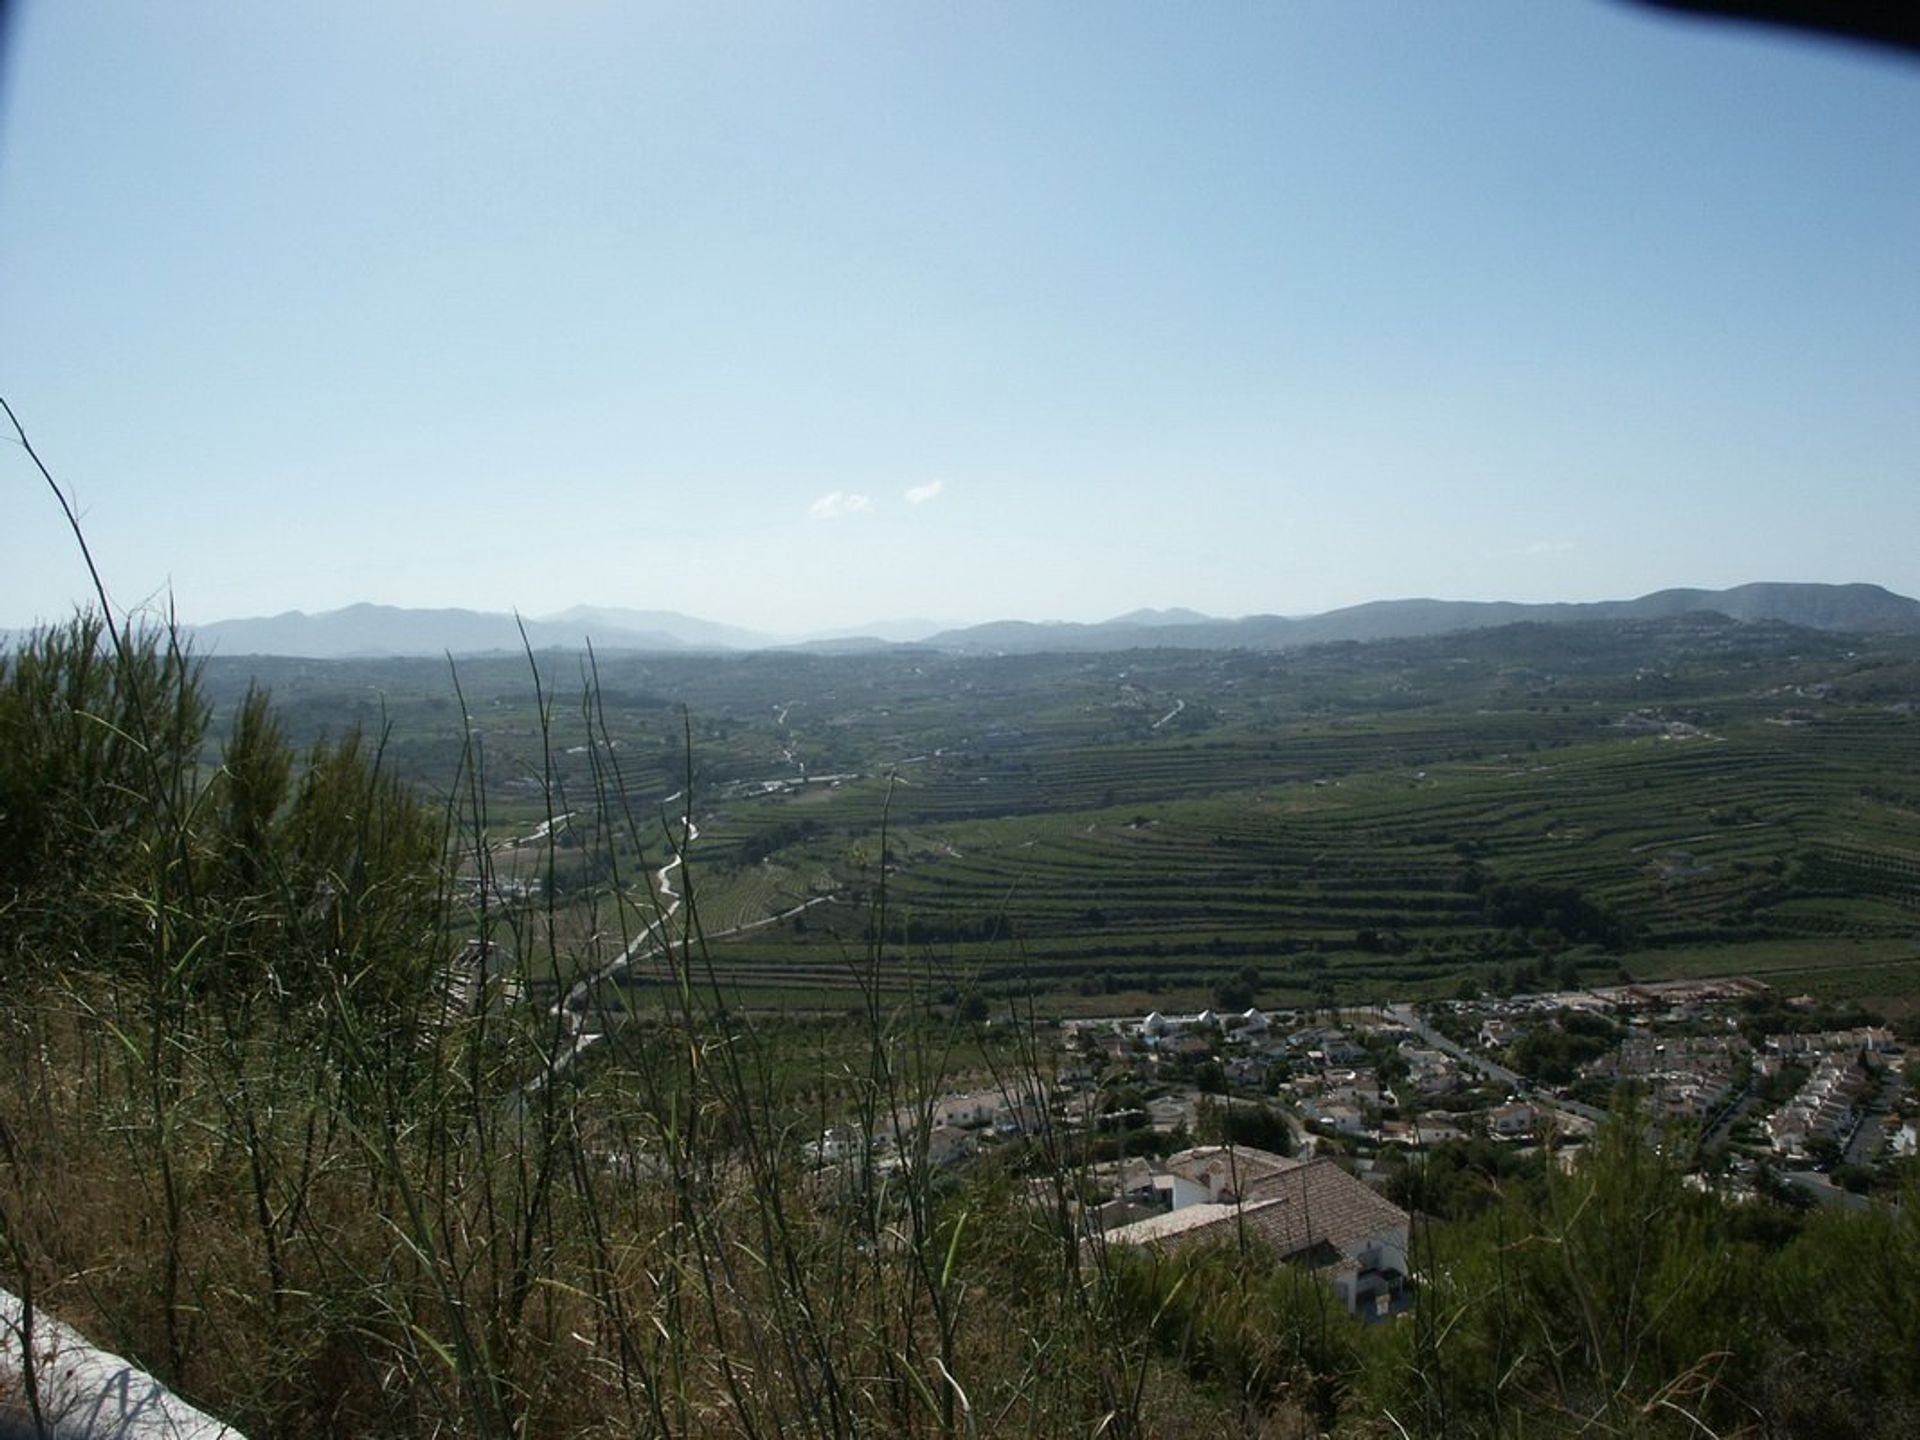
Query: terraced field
1495, 809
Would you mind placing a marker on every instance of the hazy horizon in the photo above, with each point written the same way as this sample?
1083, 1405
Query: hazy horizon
802, 319
682, 629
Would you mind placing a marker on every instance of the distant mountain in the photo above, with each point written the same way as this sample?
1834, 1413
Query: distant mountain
847, 645
361, 631
685, 629
1175, 616
893, 632
386, 630
374, 631
1858, 608
1861, 608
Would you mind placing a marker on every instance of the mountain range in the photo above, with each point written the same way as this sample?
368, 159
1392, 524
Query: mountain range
384, 630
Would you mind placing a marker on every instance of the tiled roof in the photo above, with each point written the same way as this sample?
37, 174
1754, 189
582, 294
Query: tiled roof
1292, 1210
1236, 1168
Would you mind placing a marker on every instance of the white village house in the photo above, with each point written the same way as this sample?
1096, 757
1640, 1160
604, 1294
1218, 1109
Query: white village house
1310, 1212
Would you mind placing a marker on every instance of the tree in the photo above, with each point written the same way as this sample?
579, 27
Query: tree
100, 738
1226, 1121
1237, 991
117, 850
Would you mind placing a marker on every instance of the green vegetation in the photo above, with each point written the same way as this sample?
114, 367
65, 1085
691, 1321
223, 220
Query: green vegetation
1240, 1123
1610, 1299
1513, 809
273, 1126
1553, 1054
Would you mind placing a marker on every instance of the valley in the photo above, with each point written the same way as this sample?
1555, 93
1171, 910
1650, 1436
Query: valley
1493, 811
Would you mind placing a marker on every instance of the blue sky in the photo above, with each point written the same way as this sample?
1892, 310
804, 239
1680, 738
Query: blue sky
1074, 307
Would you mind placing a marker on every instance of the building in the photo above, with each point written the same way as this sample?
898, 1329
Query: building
1212, 1174
1310, 1213
1516, 1120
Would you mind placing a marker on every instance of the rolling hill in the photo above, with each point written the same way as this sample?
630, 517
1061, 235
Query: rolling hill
365, 631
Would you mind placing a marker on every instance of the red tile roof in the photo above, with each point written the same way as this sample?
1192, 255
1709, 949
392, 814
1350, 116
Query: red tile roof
1291, 1210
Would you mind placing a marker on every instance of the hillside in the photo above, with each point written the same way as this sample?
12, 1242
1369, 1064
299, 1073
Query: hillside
1861, 608
316, 1135
373, 630
364, 631
1139, 825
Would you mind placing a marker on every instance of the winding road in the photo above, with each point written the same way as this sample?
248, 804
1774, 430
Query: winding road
1493, 1070
570, 1010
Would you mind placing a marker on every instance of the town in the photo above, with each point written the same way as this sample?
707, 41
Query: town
1293, 1128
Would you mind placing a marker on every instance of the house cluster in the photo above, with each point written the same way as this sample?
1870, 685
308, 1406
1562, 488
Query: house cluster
1175, 1033
1680, 1044
1304, 1211
951, 1127
1680, 1040
1679, 1001
494, 889
1330, 1072
1335, 1081
1344, 1101
1826, 1107
1372, 1081
1683, 1077
1245, 1042
1652, 722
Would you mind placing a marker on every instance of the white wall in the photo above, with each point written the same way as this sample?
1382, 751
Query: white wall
85, 1393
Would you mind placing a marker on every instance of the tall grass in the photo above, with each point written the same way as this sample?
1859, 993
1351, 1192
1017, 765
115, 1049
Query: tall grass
252, 1143
247, 1137
254, 1136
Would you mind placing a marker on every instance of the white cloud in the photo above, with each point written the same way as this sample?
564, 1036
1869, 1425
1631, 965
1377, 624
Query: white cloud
836, 503
1549, 547
920, 494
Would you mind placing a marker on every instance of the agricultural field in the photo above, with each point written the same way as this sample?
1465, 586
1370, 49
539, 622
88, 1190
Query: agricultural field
1495, 810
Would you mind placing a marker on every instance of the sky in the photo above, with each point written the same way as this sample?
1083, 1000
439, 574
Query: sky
798, 316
